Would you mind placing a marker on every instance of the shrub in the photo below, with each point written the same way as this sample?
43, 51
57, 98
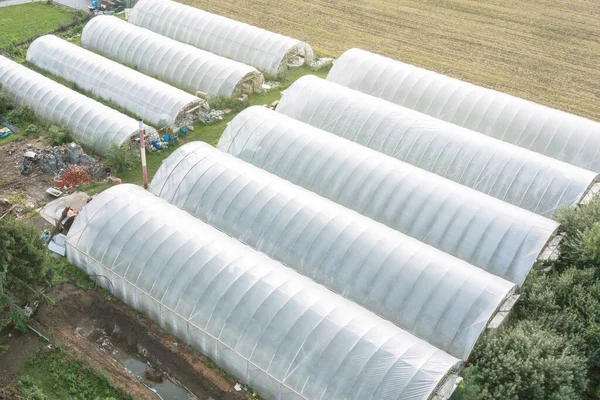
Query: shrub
28, 390
565, 303
32, 130
21, 116
5, 104
58, 135
222, 102
525, 362
121, 158
581, 235
24, 270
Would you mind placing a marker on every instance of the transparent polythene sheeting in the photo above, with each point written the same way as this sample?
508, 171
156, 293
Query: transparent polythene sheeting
283, 334
148, 98
566, 137
245, 43
425, 291
515, 175
490, 234
91, 123
166, 59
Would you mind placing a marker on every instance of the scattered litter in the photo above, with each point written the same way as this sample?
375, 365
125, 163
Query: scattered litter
175, 344
238, 387
57, 245
320, 63
5, 132
54, 192
213, 116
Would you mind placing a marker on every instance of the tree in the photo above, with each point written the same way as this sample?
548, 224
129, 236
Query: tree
524, 362
25, 269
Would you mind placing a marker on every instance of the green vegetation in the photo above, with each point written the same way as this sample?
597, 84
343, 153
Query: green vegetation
550, 347
25, 270
55, 375
23, 23
121, 159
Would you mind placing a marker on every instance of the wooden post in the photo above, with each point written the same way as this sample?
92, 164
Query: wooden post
143, 153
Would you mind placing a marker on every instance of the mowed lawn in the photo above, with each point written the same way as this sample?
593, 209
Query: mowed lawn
547, 51
21, 23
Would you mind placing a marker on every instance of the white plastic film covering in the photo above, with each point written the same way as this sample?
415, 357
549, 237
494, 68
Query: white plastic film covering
168, 60
427, 292
148, 98
267, 51
566, 137
91, 123
507, 172
280, 332
488, 233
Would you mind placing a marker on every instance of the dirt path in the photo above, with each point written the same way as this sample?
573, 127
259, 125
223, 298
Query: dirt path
73, 324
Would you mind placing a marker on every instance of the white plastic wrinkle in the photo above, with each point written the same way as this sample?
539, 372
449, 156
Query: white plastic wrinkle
166, 59
512, 174
245, 43
280, 332
493, 235
439, 298
152, 100
563, 136
91, 123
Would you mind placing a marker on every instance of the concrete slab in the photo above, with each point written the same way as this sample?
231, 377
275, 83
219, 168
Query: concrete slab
51, 212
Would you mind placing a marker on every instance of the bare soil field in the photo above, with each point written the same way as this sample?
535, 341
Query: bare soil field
546, 51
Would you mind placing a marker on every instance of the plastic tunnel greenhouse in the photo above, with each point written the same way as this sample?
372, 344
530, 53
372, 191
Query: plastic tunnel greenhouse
267, 51
488, 233
91, 123
150, 99
168, 60
278, 331
437, 297
566, 137
507, 172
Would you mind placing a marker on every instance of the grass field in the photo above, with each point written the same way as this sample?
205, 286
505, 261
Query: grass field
21, 23
542, 50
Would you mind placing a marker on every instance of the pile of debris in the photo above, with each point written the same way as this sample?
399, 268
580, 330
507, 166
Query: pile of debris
72, 177
69, 164
320, 63
213, 116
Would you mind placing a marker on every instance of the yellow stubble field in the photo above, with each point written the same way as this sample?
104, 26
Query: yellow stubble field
547, 51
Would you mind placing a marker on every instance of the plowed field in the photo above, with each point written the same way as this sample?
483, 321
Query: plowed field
543, 50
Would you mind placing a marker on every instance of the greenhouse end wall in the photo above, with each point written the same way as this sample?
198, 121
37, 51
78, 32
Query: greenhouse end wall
490, 234
91, 123
278, 331
565, 137
507, 172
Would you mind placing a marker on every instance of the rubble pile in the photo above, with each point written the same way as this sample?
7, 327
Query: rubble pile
72, 177
69, 164
213, 116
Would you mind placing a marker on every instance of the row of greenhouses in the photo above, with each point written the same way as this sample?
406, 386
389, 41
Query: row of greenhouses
156, 77
354, 243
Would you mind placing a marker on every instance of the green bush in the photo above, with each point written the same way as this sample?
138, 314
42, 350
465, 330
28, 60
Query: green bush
21, 116
222, 102
5, 104
580, 246
524, 362
28, 390
32, 130
121, 159
58, 135
25, 270
567, 304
